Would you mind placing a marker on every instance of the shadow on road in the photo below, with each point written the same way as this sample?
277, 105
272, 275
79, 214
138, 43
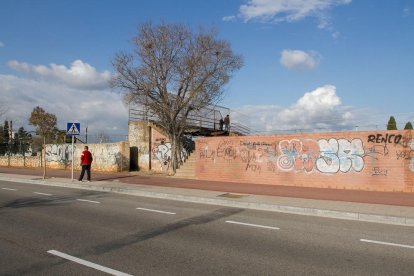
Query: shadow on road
36, 201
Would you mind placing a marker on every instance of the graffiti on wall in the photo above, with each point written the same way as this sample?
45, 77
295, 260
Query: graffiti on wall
379, 146
326, 156
298, 155
407, 152
340, 155
108, 155
162, 152
59, 153
380, 138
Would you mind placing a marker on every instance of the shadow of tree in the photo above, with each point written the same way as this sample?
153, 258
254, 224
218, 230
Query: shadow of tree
36, 201
145, 235
131, 239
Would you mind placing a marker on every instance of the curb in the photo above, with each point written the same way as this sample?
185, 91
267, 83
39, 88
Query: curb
396, 220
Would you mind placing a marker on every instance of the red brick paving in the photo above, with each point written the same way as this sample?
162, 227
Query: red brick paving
388, 198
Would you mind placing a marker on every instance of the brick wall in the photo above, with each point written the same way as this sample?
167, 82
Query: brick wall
375, 160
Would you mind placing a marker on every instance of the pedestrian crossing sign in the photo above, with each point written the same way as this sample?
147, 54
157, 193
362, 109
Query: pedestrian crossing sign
73, 129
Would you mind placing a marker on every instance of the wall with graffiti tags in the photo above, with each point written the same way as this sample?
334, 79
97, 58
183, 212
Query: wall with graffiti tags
111, 157
161, 152
378, 160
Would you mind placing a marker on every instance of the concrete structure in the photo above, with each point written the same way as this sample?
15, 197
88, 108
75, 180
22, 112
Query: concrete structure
150, 148
112, 157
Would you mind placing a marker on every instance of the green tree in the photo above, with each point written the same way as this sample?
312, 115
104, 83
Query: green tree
44, 122
6, 132
23, 139
172, 71
408, 125
392, 124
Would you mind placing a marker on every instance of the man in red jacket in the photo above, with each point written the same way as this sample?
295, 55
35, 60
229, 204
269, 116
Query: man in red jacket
86, 161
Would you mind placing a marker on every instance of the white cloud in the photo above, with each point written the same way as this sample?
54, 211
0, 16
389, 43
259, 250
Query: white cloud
102, 110
1, 44
320, 109
406, 12
79, 75
296, 59
273, 11
229, 18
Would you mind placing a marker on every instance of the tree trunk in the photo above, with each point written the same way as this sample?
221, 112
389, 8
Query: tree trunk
175, 142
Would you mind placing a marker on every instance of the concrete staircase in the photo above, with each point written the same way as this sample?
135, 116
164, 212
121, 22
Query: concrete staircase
187, 170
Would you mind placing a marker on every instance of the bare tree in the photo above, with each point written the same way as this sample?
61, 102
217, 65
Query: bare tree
3, 110
173, 71
102, 137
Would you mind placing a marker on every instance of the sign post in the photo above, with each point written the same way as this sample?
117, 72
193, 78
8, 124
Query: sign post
72, 129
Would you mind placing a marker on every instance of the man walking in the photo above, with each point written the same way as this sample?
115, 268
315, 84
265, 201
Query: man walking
86, 161
227, 123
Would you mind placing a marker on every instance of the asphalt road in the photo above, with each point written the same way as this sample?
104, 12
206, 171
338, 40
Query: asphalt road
59, 231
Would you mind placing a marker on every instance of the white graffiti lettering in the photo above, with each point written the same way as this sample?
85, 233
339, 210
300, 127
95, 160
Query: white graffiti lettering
340, 155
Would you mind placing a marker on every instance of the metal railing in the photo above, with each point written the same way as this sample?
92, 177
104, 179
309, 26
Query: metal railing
207, 118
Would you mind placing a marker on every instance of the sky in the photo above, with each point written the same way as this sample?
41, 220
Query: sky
309, 65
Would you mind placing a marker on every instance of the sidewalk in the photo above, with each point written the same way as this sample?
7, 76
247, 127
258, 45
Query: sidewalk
382, 207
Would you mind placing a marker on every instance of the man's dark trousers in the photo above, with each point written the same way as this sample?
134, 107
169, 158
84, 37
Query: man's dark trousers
86, 168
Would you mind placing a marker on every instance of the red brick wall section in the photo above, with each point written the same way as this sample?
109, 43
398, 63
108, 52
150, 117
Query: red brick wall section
375, 160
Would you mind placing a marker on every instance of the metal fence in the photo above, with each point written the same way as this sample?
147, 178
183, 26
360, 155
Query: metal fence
206, 118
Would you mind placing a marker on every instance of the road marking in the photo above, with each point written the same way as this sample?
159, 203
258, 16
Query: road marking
88, 264
8, 189
388, 243
42, 194
157, 211
85, 200
253, 225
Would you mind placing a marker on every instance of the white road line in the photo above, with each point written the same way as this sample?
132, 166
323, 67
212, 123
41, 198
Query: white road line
88, 264
253, 225
388, 243
85, 200
8, 189
42, 194
157, 211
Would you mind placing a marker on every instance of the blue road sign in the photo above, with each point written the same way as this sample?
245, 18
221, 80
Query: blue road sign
73, 129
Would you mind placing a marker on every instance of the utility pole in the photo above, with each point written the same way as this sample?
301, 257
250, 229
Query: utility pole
44, 156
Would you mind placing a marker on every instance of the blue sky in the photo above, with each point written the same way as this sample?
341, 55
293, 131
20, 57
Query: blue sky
308, 64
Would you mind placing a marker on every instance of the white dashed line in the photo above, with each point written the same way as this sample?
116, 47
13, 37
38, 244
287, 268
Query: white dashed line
42, 194
157, 211
253, 225
88, 264
388, 243
8, 189
90, 201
